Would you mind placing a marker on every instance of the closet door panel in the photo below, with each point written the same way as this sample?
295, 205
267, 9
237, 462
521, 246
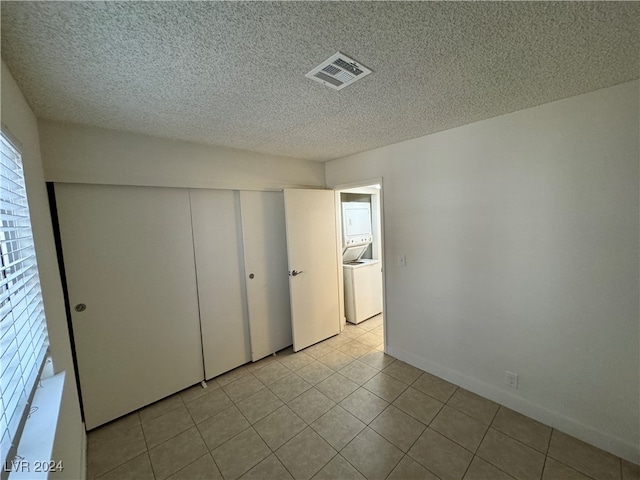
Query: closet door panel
217, 241
128, 257
265, 255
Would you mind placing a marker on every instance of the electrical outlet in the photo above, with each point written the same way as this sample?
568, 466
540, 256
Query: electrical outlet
511, 379
402, 260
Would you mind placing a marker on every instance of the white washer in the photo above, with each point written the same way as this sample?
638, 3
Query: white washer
362, 289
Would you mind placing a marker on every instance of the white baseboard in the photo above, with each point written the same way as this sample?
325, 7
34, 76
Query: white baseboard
560, 422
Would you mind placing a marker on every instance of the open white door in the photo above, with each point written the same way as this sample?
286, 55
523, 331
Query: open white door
313, 265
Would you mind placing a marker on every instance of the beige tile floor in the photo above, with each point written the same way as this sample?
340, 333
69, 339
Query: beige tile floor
341, 409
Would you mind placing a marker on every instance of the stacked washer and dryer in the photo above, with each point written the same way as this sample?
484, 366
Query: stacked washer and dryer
362, 276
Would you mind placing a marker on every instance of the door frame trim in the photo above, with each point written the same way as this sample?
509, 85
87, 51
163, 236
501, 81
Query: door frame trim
338, 189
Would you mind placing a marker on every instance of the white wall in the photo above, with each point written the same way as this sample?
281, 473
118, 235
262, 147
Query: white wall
79, 154
22, 124
521, 240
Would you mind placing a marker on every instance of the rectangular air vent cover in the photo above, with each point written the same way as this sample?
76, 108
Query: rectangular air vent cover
338, 71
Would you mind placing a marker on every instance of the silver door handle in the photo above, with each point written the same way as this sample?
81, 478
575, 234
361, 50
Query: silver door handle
294, 273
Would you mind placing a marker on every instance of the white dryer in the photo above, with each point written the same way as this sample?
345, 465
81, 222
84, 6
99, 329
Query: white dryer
362, 289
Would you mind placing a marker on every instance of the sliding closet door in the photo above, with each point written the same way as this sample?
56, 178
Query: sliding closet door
217, 240
128, 256
265, 256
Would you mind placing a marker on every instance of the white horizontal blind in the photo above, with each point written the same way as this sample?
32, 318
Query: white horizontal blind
23, 331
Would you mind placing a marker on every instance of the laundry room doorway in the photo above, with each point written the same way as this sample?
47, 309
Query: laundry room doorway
360, 230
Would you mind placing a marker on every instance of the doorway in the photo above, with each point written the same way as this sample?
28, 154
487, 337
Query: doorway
362, 290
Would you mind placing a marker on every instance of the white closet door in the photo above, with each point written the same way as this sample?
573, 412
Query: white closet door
217, 241
128, 256
265, 256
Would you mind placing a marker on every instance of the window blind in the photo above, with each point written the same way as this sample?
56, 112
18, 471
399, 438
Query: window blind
23, 331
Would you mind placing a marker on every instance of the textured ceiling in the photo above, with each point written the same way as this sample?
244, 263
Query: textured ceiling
232, 73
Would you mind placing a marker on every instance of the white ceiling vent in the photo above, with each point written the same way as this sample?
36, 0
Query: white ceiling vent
338, 71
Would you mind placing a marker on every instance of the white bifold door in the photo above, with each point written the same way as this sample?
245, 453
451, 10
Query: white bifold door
128, 255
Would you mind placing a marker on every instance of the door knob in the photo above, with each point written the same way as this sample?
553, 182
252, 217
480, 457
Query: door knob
295, 272
81, 307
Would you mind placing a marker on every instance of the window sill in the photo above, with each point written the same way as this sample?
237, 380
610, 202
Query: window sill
33, 460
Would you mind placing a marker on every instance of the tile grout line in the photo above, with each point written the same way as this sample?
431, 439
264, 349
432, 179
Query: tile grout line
200, 433
475, 454
146, 444
282, 463
484, 436
414, 460
546, 453
233, 405
425, 429
208, 451
126, 461
544, 465
406, 454
353, 440
517, 439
